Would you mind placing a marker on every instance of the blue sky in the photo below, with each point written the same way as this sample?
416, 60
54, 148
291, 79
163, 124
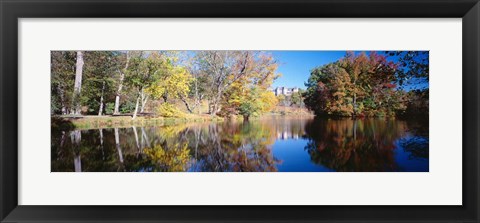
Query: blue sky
295, 66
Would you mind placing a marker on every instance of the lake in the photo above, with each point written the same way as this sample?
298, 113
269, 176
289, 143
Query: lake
272, 143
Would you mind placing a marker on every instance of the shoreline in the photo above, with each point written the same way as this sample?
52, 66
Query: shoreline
107, 121
68, 122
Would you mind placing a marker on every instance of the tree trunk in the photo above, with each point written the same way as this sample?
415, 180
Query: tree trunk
100, 110
62, 139
117, 144
76, 137
214, 109
209, 105
144, 99
101, 137
197, 96
62, 99
120, 86
78, 84
355, 98
136, 137
197, 140
136, 107
354, 104
198, 106
246, 118
215, 106
165, 97
216, 102
101, 143
77, 163
117, 104
145, 137
189, 108
355, 129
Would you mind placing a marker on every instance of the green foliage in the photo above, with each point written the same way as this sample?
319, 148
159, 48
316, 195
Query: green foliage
417, 103
250, 106
297, 98
282, 99
99, 78
127, 107
62, 80
413, 66
256, 102
109, 107
55, 106
145, 69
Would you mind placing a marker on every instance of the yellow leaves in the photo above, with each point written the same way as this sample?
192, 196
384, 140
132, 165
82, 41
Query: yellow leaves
235, 95
178, 83
175, 83
252, 100
170, 131
172, 159
169, 110
269, 101
155, 91
248, 94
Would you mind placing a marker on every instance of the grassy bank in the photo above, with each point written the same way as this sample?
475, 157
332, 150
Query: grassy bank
68, 122
291, 111
94, 122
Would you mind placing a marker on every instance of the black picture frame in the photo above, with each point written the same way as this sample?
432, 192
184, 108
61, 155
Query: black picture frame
11, 11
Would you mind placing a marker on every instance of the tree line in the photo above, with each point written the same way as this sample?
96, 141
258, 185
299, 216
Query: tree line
388, 84
126, 82
233, 83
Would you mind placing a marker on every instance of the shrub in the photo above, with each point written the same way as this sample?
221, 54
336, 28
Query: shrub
109, 107
128, 107
169, 110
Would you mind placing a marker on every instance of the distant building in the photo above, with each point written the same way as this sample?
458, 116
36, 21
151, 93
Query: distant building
285, 91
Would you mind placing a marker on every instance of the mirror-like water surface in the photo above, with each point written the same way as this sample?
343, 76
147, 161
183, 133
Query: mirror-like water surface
277, 143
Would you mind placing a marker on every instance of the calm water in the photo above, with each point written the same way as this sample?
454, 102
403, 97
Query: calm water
281, 144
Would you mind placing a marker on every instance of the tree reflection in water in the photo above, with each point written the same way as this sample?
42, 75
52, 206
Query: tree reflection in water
417, 143
361, 145
339, 145
233, 147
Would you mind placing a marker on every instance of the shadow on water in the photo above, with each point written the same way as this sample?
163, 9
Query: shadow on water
282, 144
61, 124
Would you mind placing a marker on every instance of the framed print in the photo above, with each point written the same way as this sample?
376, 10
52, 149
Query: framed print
205, 111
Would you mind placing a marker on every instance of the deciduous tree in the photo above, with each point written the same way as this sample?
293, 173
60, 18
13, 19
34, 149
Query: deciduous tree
78, 84
356, 85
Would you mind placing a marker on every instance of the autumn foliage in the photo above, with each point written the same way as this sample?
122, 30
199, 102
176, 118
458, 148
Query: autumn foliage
356, 85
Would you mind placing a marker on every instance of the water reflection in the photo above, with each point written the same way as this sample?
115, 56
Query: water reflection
357, 145
270, 144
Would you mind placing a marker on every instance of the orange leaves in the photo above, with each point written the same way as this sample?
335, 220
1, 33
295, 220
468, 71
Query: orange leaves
354, 85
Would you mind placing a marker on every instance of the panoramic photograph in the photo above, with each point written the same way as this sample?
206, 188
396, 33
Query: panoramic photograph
239, 111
